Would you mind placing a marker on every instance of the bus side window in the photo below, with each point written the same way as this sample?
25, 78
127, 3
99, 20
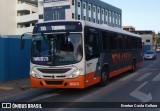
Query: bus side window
133, 43
140, 43
113, 41
120, 42
105, 41
128, 42
92, 47
125, 42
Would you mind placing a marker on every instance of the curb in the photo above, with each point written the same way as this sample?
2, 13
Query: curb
22, 96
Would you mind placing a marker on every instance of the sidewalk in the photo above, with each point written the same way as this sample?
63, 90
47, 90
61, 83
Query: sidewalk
19, 90
10, 88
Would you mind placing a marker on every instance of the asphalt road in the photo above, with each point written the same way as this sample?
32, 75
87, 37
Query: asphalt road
142, 86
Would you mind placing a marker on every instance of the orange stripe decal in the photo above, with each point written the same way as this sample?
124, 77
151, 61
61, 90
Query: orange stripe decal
117, 72
138, 64
112, 74
90, 79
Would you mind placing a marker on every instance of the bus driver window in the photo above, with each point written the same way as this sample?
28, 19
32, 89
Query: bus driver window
89, 45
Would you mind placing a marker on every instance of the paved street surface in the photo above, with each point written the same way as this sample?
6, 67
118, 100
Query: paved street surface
142, 86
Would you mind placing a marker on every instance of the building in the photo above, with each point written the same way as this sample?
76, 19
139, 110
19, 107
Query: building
19, 16
90, 10
148, 39
128, 28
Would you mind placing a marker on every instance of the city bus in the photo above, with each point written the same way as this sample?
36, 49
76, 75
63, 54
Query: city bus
78, 54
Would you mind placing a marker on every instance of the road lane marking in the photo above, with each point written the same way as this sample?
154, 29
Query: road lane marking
6, 88
140, 95
46, 96
141, 86
157, 69
157, 78
128, 77
143, 77
43, 97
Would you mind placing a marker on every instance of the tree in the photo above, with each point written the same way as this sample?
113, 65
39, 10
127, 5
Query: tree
158, 38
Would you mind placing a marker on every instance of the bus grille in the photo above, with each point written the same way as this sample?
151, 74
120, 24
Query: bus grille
54, 82
53, 71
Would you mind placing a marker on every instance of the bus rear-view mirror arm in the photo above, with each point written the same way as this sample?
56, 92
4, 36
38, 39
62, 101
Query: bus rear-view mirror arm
22, 42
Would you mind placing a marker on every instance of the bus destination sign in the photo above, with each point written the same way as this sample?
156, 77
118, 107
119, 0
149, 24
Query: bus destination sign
58, 27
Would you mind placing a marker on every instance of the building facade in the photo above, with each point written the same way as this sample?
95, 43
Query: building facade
19, 16
90, 10
128, 28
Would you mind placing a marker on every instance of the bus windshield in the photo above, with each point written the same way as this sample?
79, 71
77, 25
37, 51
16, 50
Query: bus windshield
56, 49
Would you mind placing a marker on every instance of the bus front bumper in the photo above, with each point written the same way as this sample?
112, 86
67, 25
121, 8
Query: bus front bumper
57, 83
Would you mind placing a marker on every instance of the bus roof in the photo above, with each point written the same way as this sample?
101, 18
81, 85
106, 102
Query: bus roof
109, 28
99, 26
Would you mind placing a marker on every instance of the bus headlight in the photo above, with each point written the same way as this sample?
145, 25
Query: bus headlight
34, 74
75, 74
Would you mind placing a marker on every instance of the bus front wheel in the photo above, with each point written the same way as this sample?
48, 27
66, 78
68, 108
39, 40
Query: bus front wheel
104, 77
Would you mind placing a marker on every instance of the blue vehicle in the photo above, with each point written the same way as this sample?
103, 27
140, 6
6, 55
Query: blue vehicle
150, 54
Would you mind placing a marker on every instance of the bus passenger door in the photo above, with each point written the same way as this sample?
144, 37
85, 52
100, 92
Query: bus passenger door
92, 50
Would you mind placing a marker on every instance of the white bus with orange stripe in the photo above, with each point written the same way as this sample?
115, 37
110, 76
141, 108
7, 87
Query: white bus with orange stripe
78, 54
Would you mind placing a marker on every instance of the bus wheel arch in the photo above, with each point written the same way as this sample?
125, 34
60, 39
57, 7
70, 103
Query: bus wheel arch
104, 78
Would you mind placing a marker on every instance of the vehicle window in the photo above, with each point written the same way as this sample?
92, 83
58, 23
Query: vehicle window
113, 41
120, 41
105, 40
57, 49
149, 52
128, 42
92, 46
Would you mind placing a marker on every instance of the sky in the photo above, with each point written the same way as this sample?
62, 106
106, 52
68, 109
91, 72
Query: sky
141, 14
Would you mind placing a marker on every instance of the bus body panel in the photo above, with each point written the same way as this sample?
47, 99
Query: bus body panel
91, 72
118, 61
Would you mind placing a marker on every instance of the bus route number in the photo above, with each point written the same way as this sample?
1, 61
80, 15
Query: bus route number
43, 28
58, 27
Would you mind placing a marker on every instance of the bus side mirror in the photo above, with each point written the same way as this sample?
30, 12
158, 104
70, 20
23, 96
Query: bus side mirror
22, 42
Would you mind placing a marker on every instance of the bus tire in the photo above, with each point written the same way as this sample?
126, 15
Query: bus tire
104, 77
133, 66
